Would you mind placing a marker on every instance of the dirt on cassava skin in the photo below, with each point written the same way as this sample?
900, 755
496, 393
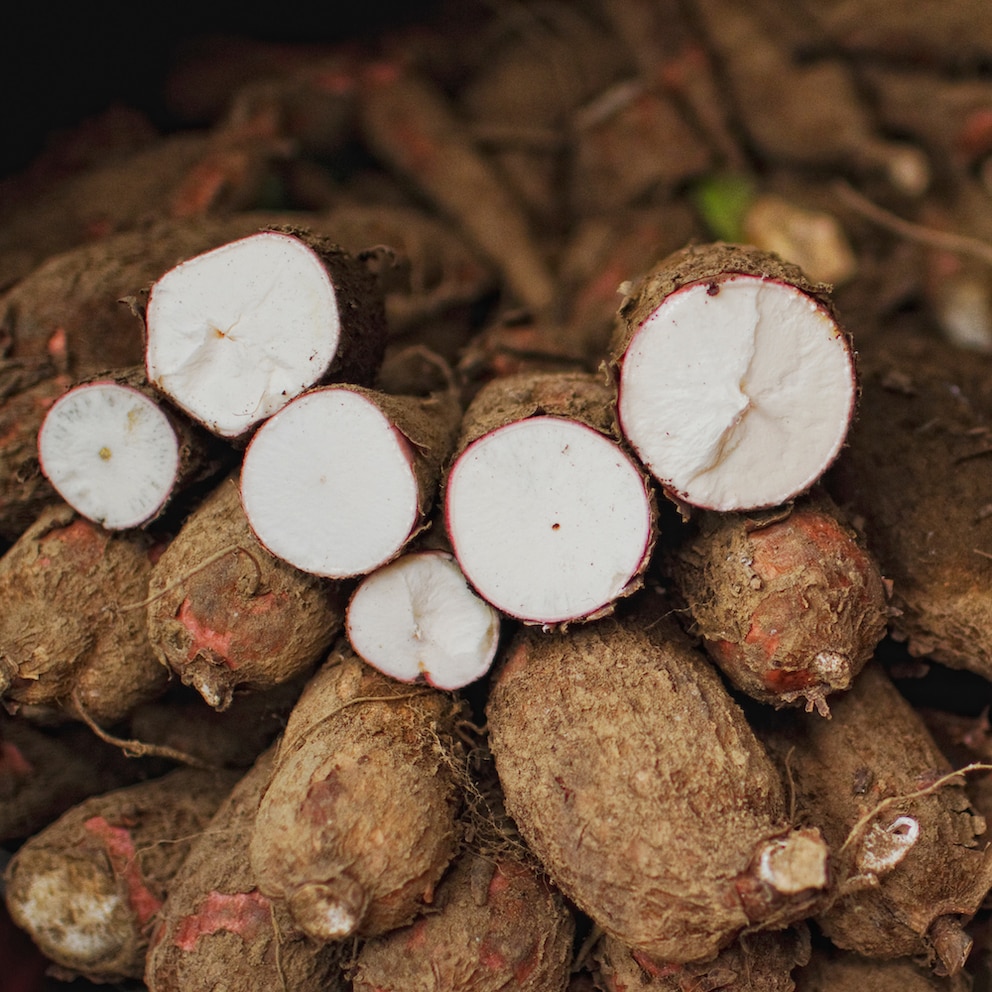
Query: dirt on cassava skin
787, 602
494, 926
217, 931
225, 615
71, 641
757, 962
916, 476
888, 899
359, 820
636, 781
89, 887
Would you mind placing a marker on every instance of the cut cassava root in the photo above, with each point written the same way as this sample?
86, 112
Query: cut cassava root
736, 384
550, 519
339, 481
417, 618
235, 333
115, 453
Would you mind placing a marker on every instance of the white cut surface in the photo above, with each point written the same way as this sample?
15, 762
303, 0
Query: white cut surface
328, 484
417, 618
110, 452
549, 519
70, 921
237, 332
740, 399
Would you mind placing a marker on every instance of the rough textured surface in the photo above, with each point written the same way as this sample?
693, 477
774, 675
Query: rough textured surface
892, 895
359, 821
760, 962
226, 615
787, 603
217, 932
67, 641
44, 772
917, 473
637, 782
494, 926
89, 886
843, 972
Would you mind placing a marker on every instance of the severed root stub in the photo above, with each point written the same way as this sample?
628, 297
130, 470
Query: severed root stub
736, 384
550, 519
235, 333
115, 454
342, 479
417, 618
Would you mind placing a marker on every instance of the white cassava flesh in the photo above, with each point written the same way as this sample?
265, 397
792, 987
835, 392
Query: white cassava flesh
235, 333
737, 394
549, 519
328, 484
417, 618
110, 452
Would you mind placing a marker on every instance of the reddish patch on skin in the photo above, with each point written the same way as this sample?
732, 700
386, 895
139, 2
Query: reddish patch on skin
975, 138
203, 638
779, 680
85, 539
417, 935
57, 347
654, 968
246, 914
120, 850
321, 799
491, 957
13, 763
805, 539
335, 81
515, 662
523, 969
380, 73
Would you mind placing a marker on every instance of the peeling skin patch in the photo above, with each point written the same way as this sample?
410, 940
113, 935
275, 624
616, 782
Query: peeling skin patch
233, 334
739, 399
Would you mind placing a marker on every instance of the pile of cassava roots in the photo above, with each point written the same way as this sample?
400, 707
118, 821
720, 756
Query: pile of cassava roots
505, 503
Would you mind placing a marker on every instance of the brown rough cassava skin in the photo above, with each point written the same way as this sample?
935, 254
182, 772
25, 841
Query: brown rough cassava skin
494, 926
835, 971
43, 772
88, 887
225, 615
637, 782
758, 962
875, 749
67, 641
705, 263
217, 932
917, 473
787, 603
359, 820
27, 390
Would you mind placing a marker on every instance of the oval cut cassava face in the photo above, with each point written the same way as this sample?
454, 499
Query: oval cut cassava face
737, 394
237, 332
110, 452
328, 484
549, 519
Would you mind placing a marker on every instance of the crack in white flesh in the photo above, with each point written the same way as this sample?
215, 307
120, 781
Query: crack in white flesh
328, 484
237, 332
740, 399
110, 452
549, 519
417, 617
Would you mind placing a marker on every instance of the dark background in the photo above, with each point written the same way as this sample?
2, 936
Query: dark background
62, 62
